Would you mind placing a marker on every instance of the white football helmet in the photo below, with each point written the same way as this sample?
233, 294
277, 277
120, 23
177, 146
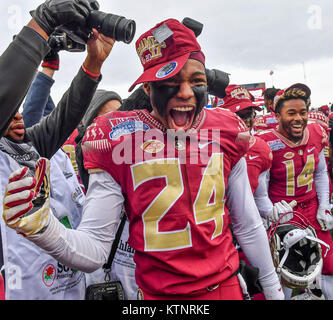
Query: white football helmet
296, 252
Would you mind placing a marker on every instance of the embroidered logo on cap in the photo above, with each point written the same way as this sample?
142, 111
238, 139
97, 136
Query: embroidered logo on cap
149, 49
240, 93
166, 70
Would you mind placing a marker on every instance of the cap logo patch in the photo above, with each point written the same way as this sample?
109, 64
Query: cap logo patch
166, 70
240, 93
149, 49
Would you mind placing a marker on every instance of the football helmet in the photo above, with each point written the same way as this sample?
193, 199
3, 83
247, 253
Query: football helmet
296, 251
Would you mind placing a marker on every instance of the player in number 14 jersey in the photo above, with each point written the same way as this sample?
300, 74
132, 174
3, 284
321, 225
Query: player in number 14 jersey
299, 170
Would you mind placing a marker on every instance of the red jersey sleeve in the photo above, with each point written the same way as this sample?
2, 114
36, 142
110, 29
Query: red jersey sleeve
318, 135
234, 134
259, 159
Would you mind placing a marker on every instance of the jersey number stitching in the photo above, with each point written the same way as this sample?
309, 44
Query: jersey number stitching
211, 187
305, 178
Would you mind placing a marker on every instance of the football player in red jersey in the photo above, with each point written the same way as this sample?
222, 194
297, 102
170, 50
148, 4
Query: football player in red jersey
181, 179
321, 118
267, 121
259, 155
299, 170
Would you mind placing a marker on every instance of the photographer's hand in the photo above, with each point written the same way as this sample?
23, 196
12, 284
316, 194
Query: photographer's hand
53, 13
98, 48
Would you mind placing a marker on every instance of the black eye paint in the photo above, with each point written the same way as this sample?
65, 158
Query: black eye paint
161, 94
201, 94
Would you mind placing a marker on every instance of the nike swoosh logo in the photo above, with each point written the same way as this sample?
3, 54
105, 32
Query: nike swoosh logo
203, 145
253, 157
309, 150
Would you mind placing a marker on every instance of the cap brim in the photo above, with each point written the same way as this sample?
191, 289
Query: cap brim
162, 71
241, 106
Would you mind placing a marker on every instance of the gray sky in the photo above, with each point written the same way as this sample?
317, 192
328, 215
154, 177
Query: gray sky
247, 39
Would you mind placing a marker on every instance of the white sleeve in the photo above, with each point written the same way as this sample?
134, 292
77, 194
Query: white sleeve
264, 204
247, 225
87, 248
322, 181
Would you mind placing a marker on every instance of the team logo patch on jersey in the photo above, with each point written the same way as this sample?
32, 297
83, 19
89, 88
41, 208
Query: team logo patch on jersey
271, 120
153, 146
289, 155
126, 128
49, 274
166, 70
276, 145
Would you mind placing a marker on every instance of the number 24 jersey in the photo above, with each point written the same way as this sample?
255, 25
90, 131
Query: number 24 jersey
174, 190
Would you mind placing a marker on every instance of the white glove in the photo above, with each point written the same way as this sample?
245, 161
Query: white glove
274, 292
325, 218
26, 204
280, 208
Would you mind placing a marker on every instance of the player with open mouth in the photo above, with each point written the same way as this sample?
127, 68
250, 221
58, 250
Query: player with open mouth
179, 213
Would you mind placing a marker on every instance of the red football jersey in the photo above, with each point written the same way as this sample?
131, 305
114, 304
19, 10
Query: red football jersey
69, 148
320, 118
265, 122
293, 166
258, 159
174, 190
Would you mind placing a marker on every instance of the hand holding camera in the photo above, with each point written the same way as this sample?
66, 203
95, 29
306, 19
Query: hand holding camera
53, 13
69, 23
98, 48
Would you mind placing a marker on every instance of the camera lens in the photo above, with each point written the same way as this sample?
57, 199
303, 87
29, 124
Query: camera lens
217, 81
113, 26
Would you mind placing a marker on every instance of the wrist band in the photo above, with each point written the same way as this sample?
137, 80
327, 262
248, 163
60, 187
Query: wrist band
54, 65
93, 75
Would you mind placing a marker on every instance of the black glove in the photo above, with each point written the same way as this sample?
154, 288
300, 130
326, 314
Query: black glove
53, 13
51, 60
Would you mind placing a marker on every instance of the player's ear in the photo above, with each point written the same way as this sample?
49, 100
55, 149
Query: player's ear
277, 116
146, 88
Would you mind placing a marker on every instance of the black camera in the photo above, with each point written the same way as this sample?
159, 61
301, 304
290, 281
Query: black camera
65, 39
113, 26
73, 38
217, 80
105, 291
194, 25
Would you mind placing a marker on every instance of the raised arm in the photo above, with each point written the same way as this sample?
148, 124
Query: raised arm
19, 62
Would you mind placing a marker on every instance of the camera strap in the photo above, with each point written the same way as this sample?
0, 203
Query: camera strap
107, 266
